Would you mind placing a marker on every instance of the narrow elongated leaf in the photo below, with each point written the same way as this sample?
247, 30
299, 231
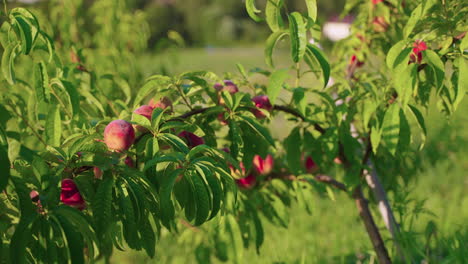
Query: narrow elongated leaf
270, 46
262, 131
8, 58
437, 65
393, 53
41, 82
297, 32
322, 59
236, 139
412, 21
235, 236
462, 85
312, 9
128, 217
167, 208
75, 242
391, 128
147, 234
20, 239
275, 84
4, 167
293, 150
102, 204
176, 142
28, 27
202, 198
420, 119
252, 10
273, 14
53, 126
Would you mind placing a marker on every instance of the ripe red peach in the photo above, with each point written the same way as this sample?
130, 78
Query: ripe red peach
191, 139
144, 110
163, 103
261, 101
119, 135
263, 166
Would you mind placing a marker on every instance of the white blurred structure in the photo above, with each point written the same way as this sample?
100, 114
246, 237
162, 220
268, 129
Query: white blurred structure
336, 30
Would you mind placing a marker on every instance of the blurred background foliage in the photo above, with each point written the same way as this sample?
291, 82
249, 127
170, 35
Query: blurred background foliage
219, 22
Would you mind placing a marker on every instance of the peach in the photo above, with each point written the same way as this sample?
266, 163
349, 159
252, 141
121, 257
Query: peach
310, 165
263, 166
379, 24
416, 55
70, 195
34, 195
97, 173
119, 135
129, 162
191, 139
247, 182
144, 110
261, 101
163, 103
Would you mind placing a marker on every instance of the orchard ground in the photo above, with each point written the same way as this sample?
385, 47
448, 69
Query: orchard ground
334, 233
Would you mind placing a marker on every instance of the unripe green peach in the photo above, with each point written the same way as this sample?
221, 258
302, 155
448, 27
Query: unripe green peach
119, 135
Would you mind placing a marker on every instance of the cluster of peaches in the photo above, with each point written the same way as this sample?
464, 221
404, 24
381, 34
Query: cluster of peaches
120, 135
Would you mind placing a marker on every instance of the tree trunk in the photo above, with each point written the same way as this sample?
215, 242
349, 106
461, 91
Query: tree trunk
371, 228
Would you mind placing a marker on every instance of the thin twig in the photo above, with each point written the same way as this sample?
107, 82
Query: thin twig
29, 125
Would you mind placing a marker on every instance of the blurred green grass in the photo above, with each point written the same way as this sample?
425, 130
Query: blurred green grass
334, 232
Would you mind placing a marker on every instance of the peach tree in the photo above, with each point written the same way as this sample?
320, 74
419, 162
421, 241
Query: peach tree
95, 157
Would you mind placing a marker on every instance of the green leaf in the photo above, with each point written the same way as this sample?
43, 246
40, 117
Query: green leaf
297, 32
4, 167
151, 86
142, 121
391, 128
273, 14
437, 65
375, 137
236, 139
216, 191
21, 237
270, 46
405, 81
321, 58
292, 145
227, 97
464, 44
75, 243
312, 9
41, 82
53, 127
202, 197
262, 131
177, 143
252, 10
462, 85
394, 52
129, 221
8, 58
148, 236
156, 118
412, 21
81, 225
405, 132
300, 100
235, 236
420, 119
102, 204
167, 208
27, 25
275, 84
